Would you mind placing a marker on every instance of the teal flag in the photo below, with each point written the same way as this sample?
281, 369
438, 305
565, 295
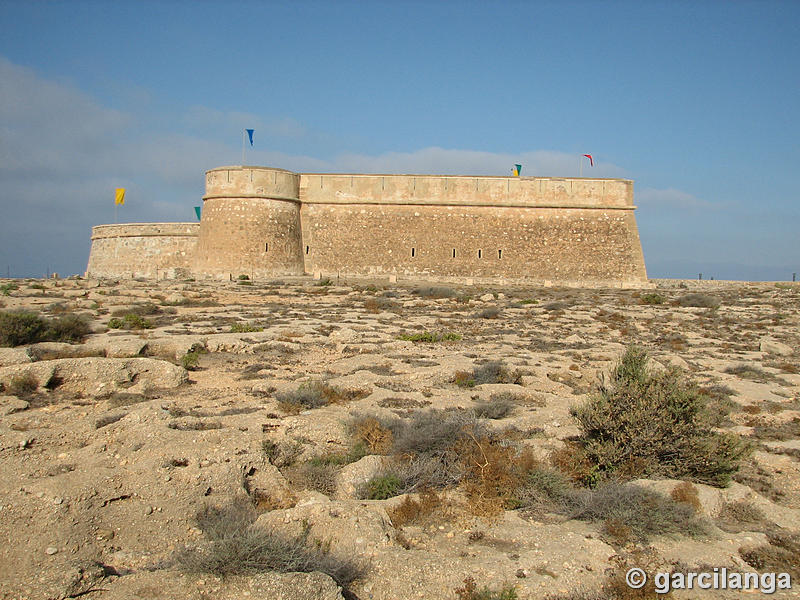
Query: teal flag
197, 212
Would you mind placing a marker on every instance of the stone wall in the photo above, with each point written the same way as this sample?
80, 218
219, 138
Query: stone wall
265, 222
149, 250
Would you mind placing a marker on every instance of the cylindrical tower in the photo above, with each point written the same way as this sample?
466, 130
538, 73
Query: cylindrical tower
250, 224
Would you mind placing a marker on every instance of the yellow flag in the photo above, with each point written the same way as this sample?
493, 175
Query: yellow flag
119, 198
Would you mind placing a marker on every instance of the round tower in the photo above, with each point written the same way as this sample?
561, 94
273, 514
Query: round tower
250, 224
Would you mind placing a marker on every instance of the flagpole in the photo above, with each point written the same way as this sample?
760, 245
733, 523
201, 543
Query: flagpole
243, 134
580, 169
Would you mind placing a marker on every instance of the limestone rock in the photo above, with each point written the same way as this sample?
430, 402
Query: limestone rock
13, 356
355, 475
97, 376
771, 346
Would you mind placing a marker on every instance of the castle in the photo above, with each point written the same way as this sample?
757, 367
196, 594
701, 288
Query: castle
264, 222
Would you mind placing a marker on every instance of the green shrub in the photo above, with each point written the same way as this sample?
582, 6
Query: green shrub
7, 288
191, 360
646, 424
243, 277
314, 394
21, 327
245, 328
325, 282
383, 487
69, 328
234, 546
430, 337
652, 298
130, 321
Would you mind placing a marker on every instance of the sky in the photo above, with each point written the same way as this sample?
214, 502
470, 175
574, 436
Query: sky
697, 102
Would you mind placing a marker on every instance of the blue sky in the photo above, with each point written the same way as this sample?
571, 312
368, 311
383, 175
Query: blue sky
697, 102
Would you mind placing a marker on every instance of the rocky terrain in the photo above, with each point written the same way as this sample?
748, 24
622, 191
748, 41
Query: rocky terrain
194, 415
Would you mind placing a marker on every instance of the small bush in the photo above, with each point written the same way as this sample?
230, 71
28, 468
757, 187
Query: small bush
130, 321
191, 360
652, 298
430, 337
470, 591
141, 310
699, 301
22, 385
495, 372
740, 515
314, 475
781, 555
414, 511
647, 424
315, 394
245, 328
7, 288
383, 487
236, 547
21, 327
369, 432
493, 410
325, 282
686, 493
69, 328
644, 512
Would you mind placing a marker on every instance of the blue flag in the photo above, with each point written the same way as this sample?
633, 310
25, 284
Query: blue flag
250, 135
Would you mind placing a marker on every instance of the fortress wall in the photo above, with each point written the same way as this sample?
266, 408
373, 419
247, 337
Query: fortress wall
150, 250
579, 245
466, 191
250, 224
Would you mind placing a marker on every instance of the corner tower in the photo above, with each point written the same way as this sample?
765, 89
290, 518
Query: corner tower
250, 224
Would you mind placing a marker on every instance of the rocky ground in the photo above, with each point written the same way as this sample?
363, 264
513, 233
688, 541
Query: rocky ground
110, 448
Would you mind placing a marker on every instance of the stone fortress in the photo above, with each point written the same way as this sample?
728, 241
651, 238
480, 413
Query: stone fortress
265, 222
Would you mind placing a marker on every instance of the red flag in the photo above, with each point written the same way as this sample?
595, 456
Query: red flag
591, 161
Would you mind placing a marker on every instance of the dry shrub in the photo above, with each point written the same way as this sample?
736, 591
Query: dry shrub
741, 515
463, 379
686, 493
312, 394
615, 587
494, 409
414, 511
470, 591
494, 473
313, 475
699, 300
572, 460
788, 430
22, 385
234, 546
781, 555
378, 438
